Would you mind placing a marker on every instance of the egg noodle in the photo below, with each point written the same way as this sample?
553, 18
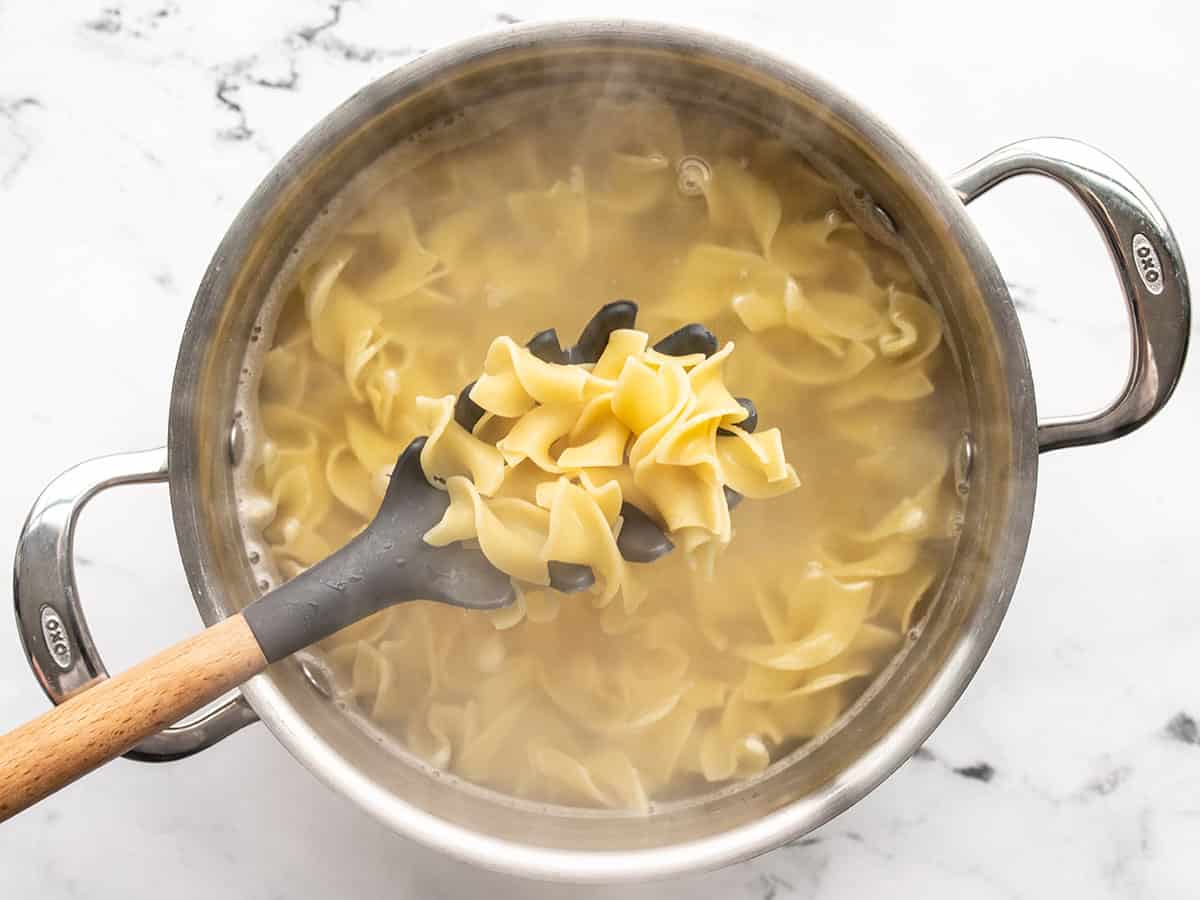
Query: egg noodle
767, 621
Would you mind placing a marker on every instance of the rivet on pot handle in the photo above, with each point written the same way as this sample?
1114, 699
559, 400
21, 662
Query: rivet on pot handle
50, 620
1147, 260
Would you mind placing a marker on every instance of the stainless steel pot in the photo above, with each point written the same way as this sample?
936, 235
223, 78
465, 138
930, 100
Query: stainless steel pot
892, 719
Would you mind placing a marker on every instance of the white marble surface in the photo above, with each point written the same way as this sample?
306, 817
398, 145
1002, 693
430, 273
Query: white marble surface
129, 136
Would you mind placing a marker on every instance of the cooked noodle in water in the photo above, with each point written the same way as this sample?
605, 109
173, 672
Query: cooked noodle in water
766, 622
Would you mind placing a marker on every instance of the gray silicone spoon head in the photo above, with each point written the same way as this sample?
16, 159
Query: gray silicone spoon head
387, 563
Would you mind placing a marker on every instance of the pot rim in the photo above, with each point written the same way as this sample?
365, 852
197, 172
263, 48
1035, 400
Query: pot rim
737, 844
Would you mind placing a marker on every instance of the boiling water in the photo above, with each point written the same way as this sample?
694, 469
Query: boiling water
530, 218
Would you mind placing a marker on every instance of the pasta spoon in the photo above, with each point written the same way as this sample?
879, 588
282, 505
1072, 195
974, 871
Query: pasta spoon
387, 563
640, 539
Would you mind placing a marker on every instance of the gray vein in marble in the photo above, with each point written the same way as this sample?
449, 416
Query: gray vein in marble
288, 83
321, 35
1105, 784
817, 862
108, 22
899, 829
232, 77
507, 18
146, 154
815, 839
112, 20
1120, 870
113, 568
978, 771
806, 876
769, 886
240, 130
246, 71
309, 33
806, 862
13, 112
1184, 728
1024, 298
362, 53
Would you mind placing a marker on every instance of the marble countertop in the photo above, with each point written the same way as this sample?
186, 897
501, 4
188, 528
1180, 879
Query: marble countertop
131, 132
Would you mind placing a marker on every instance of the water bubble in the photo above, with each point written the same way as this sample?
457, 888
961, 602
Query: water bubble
237, 441
885, 220
956, 523
964, 460
264, 585
318, 676
254, 558
694, 175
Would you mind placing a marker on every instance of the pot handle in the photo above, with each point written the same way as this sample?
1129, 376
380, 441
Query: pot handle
1148, 264
50, 620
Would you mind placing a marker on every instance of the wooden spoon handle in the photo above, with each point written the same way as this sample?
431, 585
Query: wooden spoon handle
108, 718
